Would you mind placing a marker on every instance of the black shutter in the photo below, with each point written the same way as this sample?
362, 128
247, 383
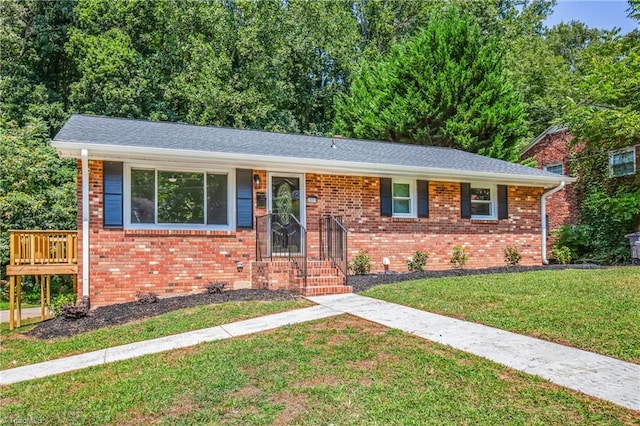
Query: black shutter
386, 199
423, 198
244, 198
503, 204
112, 193
465, 200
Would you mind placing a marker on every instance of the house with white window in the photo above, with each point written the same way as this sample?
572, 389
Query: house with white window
553, 151
169, 208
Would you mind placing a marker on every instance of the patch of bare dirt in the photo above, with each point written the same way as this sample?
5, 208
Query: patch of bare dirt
123, 313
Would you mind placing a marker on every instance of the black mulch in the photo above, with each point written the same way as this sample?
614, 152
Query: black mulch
365, 282
126, 312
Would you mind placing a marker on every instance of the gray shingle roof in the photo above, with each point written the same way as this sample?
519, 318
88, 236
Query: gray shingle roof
118, 132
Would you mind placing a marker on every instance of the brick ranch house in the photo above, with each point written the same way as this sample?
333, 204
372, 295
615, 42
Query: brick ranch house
168, 208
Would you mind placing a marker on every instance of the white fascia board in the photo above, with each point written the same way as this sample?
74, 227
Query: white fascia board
298, 165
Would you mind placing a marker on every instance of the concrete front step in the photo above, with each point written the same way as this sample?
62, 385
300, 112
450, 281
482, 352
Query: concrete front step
326, 290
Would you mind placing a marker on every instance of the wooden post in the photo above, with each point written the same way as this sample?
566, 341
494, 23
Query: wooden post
48, 278
40, 281
19, 298
74, 278
12, 297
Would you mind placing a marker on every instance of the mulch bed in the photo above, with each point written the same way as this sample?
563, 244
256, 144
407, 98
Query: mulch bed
365, 282
132, 311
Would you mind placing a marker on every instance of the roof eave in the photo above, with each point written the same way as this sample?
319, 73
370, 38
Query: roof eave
71, 149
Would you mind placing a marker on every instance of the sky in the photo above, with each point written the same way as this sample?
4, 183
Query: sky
603, 14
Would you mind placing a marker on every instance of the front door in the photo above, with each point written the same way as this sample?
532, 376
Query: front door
286, 199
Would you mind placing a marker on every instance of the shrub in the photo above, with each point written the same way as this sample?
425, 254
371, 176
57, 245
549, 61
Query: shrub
76, 311
418, 261
459, 256
562, 254
145, 299
361, 263
60, 303
512, 255
215, 288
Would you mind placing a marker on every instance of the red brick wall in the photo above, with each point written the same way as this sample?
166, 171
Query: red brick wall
127, 262
562, 207
357, 199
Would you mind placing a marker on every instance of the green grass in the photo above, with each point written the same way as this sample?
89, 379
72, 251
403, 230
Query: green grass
18, 349
597, 310
340, 370
4, 305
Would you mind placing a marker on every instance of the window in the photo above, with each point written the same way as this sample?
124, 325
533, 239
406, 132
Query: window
623, 162
178, 198
403, 198
483, 201
555, 168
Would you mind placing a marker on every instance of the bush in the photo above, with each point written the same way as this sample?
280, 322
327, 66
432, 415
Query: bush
145, 299
459, 257
361, 264
60, 303
418, 261
512, 255
562, 254
215, 288
76, 311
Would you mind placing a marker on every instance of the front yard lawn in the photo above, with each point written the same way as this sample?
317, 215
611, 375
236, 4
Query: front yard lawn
597, 310
18, 349
340, 370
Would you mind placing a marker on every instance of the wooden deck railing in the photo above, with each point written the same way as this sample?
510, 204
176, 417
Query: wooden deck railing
42, 252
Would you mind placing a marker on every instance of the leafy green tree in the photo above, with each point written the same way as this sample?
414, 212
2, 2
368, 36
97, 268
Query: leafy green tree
37, 189
447, 87
604, 115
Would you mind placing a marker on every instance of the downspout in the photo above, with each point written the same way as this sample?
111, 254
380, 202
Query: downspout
85, 223
543, 214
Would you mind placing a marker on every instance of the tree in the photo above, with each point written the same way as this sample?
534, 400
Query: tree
604, 115
447, 87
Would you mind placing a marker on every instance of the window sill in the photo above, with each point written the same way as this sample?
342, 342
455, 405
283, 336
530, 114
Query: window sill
179, 232
488, 220
404, 218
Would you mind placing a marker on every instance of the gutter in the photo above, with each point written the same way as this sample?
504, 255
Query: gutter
85, 223
543, 214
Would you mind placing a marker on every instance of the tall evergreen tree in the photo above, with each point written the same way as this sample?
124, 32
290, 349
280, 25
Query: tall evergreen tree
446, 87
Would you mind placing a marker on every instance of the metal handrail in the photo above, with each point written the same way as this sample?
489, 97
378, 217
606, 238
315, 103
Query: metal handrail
333, 242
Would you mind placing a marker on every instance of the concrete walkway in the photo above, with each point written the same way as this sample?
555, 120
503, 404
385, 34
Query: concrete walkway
26, 313
600, 376
596, 375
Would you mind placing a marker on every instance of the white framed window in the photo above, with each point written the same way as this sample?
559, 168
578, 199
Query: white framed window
556, 168
165, 197
623, 162
484, 201
403, 194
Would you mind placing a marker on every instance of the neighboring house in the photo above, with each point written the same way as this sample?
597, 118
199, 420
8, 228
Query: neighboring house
551, 152
168, 208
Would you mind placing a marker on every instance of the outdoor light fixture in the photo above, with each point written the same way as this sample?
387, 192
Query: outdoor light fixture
385, 263
239, 265
257, 184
